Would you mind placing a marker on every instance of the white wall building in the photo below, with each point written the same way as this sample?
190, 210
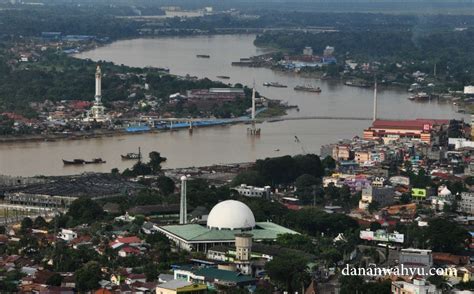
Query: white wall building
417, 286
67, 235
469, 90
251, 191
466, 204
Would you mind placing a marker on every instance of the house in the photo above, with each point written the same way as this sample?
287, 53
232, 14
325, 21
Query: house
179, 286
129, 251
416, 286
67, 235
133, 241
132, 278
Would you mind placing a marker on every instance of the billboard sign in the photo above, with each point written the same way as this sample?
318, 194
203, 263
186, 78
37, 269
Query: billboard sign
419, 193
382, 236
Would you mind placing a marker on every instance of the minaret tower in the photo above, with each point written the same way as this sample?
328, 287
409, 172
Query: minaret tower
183, 209
98, 86
97, 111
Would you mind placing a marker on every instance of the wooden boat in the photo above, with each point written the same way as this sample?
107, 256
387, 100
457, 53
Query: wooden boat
95, 161
74, 161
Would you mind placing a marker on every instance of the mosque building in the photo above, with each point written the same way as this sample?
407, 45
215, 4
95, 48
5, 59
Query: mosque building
226, 220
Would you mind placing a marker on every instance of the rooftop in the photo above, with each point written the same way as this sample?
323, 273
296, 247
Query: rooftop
195, 232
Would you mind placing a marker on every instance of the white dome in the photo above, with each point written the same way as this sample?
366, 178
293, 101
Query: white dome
230, 215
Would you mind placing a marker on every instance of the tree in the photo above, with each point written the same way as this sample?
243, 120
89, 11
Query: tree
374, 226
85, 210
250, 177
155, 161
444, 235
26, 224
329, 163
288, 270
88, 277
40, 223
54, 280
151, 271
166, 185
405, 198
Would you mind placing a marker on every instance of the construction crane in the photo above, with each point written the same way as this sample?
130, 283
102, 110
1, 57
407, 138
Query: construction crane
298, 141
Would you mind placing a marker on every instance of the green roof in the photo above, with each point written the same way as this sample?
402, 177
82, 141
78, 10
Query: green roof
223, 275
196, 233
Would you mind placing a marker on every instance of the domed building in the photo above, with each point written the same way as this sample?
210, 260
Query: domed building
231, 215
226, 219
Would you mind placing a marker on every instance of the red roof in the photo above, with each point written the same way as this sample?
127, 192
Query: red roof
416, 124
128, 240
130, 250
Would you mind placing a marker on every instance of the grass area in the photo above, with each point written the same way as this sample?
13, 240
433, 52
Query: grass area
273, 110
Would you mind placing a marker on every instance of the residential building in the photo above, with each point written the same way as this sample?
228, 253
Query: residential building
67, 235
254, 192
466, 204
417, 286
416, 259
179, 286
383, 196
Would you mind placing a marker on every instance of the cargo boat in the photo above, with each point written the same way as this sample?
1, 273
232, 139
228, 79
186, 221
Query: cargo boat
203, 56
95, 161
224, 77
308, 89
275, 84
132, 155
421, 96
357, 84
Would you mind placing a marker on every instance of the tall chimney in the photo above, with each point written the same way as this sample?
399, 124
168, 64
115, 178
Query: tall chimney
183, 206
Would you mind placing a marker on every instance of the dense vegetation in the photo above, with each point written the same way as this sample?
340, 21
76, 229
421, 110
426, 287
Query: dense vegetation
418, 50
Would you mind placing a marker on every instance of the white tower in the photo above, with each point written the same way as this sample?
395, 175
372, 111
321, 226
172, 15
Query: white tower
98, 85
253, 130
375, 101
97, 111
253, 102
182, 205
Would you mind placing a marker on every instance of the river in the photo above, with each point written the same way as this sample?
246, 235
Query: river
224, 144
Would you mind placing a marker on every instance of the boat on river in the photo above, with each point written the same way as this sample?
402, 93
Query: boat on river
420, 96
308, 89
203, 56
94, 161
74, 161
275, 84
132, 155
223, 77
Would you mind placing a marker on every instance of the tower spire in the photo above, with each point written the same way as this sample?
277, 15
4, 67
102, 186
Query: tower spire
183, 209
98, 85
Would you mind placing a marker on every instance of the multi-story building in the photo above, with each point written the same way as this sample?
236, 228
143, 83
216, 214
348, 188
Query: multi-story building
383, 196
419, 259
417, 286
418, 129
466, 204
342, 152
254, 192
